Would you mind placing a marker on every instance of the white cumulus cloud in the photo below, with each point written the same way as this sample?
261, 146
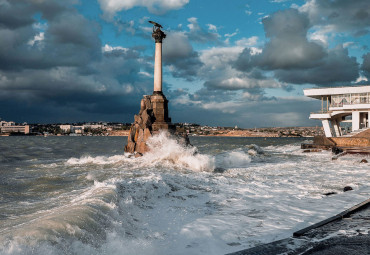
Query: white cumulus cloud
111, 7
37, 39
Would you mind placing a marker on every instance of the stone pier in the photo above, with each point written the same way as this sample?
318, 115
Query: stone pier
153, 116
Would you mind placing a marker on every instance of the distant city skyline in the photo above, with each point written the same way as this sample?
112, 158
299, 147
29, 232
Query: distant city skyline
226, 63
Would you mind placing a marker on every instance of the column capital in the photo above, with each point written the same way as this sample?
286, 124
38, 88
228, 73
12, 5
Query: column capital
158, 34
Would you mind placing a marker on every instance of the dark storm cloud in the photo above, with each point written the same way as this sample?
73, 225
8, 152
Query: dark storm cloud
14, 15
349, 16
366, 65
244, 61
247, 113
58, 68
245, 82
288, 47
179, 55
210, 95
69, 40
336, 69
100, 94
295, 59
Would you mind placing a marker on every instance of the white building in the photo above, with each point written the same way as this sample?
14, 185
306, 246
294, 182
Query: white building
66, 128
93, 126
342, 104
15, 129
10, 127
78, 129
7, 123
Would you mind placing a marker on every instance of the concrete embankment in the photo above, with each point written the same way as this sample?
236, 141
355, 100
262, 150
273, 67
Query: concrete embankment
351, 141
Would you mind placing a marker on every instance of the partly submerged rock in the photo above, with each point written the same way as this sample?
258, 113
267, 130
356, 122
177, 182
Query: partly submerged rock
347, 188
219, 170
152, 118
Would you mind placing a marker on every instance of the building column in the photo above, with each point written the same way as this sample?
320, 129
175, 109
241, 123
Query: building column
368, 119
326, 126
363, 119
336, 126
355, 121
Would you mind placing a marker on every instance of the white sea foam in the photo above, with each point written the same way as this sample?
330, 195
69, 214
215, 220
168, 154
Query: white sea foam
164, 151
99, 160
233, 159
168, 152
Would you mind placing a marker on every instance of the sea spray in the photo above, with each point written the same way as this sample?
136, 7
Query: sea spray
164, 151
168, 152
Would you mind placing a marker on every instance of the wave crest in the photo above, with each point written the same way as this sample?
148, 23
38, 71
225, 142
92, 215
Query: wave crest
167, 151
99, 160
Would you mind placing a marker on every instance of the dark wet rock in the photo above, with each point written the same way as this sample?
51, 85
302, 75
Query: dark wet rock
336, 150
347, 188
363, 161
234, 244
219, 170
330, 193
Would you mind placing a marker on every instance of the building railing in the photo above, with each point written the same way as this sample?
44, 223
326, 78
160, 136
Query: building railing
349, 99
349, 103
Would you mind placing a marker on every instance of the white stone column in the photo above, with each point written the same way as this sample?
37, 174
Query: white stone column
368, 119
363, 119
336, 127
355, 120
327, 130
158, 67
158, 36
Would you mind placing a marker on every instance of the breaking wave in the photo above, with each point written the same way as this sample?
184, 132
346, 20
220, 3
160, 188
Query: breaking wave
168, 152
99, 160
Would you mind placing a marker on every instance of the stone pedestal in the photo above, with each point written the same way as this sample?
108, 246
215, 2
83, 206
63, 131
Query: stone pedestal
160, 111
152, 118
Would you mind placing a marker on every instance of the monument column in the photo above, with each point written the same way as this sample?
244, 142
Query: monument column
158, 67
158, 35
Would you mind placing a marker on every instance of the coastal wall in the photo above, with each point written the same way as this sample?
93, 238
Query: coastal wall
351, 141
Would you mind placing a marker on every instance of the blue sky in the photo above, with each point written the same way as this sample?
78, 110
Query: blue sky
226, 63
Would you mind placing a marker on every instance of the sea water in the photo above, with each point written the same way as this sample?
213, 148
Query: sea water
83, 195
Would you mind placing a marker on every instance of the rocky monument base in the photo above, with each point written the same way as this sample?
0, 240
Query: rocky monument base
152, 118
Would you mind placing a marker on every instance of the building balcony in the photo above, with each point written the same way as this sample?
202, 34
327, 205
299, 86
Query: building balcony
320, 115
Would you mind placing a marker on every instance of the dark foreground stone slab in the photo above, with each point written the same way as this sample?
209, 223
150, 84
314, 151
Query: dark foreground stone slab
347, 233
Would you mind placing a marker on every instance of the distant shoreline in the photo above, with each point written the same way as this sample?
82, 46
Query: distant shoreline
231, 133
205, 131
